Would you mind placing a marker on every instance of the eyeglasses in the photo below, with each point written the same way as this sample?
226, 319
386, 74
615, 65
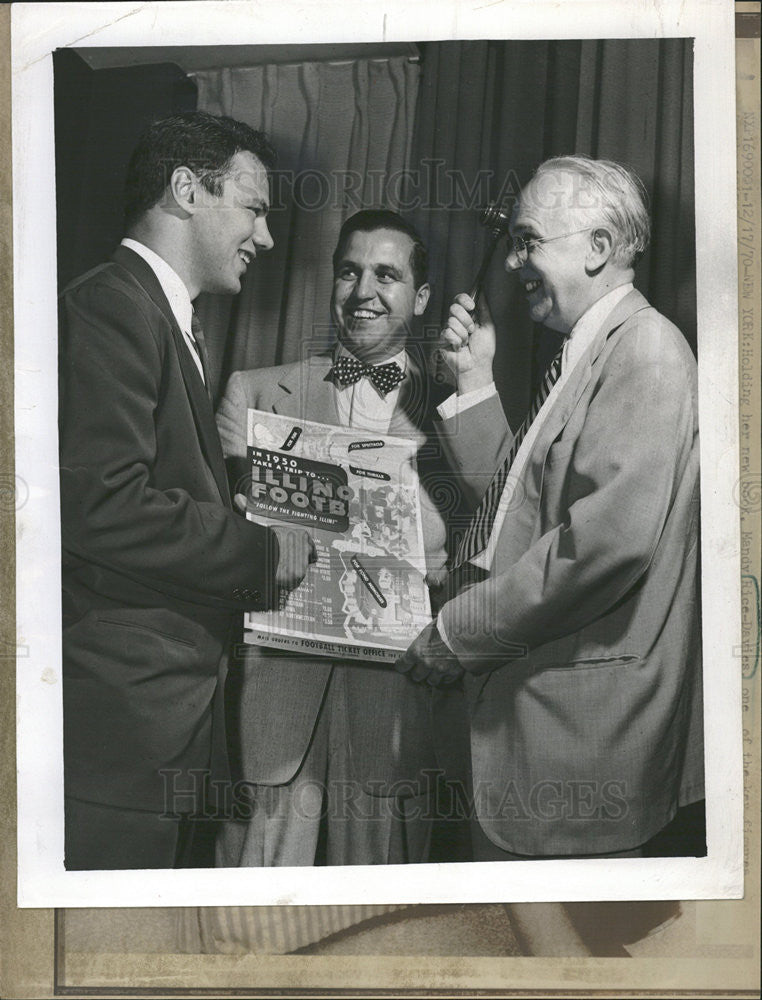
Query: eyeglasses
521, 247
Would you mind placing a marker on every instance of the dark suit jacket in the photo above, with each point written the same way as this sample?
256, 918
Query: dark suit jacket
276, 698
155, 561
590, 741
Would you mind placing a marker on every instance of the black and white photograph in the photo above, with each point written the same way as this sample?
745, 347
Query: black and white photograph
503, 246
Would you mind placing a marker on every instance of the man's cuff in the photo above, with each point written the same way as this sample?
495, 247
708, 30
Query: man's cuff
456, 404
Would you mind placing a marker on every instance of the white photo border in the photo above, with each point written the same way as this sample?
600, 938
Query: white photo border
37, 30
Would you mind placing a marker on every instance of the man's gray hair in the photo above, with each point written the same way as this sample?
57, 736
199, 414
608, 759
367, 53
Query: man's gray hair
612, 197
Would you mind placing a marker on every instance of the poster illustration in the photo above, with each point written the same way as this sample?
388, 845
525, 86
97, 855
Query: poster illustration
357, 494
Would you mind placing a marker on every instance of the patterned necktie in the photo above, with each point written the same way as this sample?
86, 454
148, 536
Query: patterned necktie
348, 370
199, 343
479, 529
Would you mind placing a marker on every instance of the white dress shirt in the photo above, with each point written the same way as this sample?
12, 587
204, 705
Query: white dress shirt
177, 294
361, 405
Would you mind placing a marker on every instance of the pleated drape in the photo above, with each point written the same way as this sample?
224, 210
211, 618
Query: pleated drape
357, 134
644, 117
490, 112
341, 131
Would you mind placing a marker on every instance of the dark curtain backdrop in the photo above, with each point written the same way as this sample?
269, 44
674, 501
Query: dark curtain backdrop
466, 124
490, 111
340, 128
99, 115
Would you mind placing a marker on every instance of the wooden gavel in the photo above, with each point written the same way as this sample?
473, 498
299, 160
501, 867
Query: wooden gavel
497, 222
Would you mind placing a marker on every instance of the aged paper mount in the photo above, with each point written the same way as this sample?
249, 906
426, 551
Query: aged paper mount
36, 33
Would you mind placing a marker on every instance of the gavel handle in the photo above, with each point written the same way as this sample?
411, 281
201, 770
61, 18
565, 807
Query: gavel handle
494, 239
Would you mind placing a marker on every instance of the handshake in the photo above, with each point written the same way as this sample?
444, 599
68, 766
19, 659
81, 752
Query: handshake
296, 551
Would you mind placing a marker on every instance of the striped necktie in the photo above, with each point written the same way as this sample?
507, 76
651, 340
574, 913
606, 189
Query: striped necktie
477, 534
199, 343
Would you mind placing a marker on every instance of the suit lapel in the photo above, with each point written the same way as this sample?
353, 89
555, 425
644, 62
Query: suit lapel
412, 410
306, 393
201, 408
520, 518
580, 377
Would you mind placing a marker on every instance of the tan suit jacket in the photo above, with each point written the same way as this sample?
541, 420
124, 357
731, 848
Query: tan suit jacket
275, 698
588, 742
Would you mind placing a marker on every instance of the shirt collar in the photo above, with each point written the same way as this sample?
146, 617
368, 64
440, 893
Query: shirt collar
589, 323
598, 311
171, 283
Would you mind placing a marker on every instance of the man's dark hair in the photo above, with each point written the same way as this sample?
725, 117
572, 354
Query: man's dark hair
205, 143
370, 219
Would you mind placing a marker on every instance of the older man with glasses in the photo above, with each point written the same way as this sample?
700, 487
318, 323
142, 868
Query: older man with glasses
574, 617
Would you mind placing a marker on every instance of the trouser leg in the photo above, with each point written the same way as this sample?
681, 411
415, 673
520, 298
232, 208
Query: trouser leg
366, 829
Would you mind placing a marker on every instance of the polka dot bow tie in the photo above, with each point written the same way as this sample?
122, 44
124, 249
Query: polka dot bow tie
386, 377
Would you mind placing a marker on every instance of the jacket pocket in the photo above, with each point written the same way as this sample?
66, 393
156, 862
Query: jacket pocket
144, 627
587, 663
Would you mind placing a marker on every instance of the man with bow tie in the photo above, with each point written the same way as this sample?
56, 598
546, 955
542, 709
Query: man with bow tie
574, 616
346, 742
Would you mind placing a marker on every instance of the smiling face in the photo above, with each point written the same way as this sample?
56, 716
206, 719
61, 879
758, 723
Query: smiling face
374, 295
231, 228
555, 278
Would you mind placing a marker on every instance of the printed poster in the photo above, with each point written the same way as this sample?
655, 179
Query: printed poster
358, 495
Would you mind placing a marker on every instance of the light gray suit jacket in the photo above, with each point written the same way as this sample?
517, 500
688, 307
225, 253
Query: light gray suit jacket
589, 741
275, 698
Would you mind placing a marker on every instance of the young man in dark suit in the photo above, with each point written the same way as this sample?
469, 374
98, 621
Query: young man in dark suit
156, 564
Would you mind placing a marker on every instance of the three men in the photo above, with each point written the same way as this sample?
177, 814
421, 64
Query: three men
155, 561
573, 615
574, 620
348, 742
